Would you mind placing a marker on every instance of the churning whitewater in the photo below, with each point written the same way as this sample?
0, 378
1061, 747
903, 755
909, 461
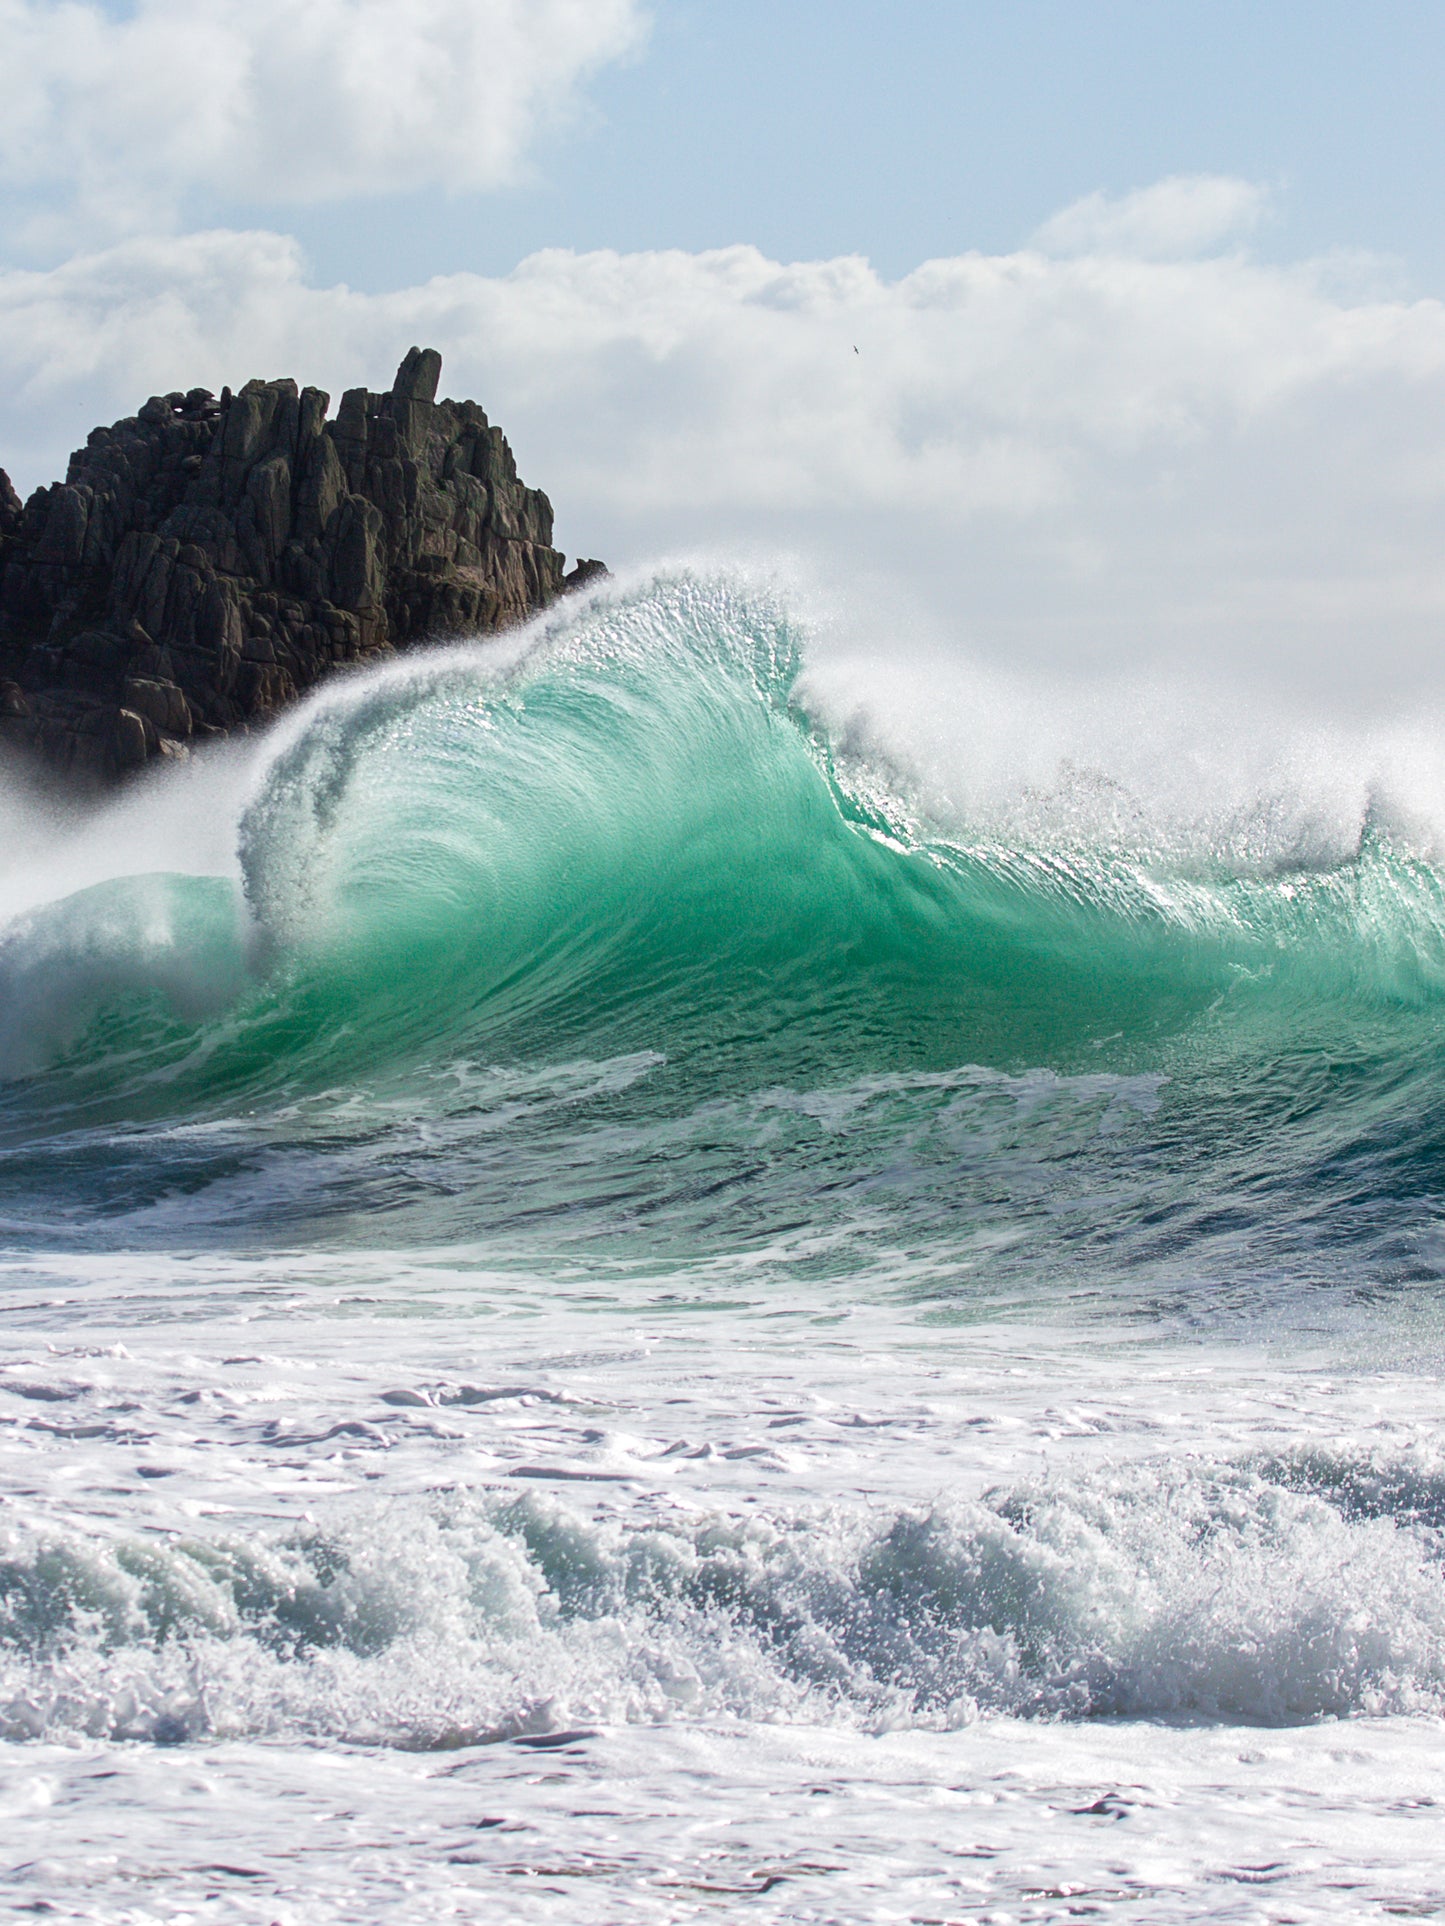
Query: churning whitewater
608, 1223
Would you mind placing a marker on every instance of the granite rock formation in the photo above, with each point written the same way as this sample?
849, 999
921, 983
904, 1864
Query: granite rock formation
207, 561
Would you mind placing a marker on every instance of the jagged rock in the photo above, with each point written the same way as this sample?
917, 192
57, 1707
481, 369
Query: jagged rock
12, 509
206, 561
132, 741
581, 573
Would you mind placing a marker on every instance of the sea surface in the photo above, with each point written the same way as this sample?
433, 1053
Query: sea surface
619, 1306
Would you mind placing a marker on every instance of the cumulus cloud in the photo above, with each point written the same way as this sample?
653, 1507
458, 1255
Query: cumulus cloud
1089, 460
112, 121
1187, 214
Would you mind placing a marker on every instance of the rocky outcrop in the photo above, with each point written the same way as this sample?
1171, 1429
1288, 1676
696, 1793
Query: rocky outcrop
207, 561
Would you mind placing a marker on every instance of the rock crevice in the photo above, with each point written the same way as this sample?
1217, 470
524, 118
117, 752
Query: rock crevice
208, 560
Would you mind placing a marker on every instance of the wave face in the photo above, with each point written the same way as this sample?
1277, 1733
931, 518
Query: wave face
607, 940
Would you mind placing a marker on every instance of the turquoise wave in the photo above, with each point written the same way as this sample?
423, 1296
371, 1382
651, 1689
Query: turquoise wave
610, 939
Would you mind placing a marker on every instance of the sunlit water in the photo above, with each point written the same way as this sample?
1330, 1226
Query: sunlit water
612, 1315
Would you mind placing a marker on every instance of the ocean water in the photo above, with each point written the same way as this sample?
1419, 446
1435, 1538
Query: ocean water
623, 1303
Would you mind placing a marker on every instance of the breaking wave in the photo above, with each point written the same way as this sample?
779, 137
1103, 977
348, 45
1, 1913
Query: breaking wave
605, 933
1271, 1594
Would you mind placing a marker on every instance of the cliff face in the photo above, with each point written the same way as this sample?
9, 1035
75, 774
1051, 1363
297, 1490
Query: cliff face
205, 562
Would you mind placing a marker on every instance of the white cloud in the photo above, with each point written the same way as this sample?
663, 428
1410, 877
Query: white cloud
1091, 461
1175, 219
113, 121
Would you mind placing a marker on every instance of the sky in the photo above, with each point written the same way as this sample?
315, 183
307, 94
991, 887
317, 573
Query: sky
909, 129
1108, 339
